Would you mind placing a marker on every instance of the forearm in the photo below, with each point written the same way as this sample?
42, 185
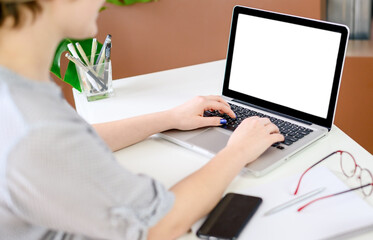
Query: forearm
197, 194
125, 132
188, 116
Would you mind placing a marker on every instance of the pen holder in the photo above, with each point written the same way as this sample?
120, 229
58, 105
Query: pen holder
96, 80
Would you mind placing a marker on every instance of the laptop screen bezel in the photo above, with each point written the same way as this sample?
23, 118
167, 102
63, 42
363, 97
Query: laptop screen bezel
343, 30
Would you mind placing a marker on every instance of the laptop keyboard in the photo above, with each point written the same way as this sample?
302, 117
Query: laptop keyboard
291, 132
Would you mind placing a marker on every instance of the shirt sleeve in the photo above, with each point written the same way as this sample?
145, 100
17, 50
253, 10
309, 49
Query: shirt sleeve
66, 178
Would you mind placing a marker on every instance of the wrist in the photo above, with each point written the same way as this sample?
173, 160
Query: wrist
237, 155
169, 118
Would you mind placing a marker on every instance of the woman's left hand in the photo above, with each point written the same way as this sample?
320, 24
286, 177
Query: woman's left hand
190, 114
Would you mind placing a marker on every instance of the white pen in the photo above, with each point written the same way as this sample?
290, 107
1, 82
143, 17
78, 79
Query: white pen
72, 50
79, 63
93, 51
82, 53
294, 201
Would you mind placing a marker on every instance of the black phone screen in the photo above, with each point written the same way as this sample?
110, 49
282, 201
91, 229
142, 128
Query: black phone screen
229, 217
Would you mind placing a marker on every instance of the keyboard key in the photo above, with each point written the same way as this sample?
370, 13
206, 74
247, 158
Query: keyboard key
287, 143
304, 132
292, 139
299, 136
275, 144
229, 127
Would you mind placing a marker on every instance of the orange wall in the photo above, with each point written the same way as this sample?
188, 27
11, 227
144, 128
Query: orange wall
174, 33
354, 113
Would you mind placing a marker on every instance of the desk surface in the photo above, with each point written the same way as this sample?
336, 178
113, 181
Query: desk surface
168, 162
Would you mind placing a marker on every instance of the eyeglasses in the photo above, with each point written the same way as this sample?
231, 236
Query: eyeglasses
349, 168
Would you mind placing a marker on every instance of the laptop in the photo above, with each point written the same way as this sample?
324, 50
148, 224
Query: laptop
283, 67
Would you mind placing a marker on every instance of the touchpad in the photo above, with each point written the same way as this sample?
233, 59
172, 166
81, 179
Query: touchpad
212, 140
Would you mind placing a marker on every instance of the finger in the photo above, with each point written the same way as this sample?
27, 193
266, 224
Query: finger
218, 99
265, 121
272, 128
211, 121
276, 137
220, 107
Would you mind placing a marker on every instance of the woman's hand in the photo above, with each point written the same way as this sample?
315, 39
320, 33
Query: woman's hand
253, 136
190, 114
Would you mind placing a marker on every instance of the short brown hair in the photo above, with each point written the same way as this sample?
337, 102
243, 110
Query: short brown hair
11, 8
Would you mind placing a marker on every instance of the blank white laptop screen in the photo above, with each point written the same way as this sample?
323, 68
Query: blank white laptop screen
284, 63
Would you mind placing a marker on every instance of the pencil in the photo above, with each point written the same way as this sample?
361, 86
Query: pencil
82, 53
93, 50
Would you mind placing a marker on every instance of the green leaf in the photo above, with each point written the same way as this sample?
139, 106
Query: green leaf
56, 65
71, 77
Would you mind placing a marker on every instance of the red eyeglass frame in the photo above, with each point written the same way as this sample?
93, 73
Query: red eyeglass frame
348, 176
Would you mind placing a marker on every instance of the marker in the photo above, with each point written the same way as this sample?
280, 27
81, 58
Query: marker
294, 201
108, 51
107, 60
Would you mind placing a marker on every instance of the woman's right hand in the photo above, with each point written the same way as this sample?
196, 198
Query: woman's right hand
253, 136
199, 192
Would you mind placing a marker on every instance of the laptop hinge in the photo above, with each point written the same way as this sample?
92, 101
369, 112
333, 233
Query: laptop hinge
274, 112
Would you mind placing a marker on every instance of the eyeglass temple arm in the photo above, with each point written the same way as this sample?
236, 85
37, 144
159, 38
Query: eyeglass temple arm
301, 177
335, 194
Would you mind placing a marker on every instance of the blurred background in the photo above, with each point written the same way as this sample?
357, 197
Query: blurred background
169, 34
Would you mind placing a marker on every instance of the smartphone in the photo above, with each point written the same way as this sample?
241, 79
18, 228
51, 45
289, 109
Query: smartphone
229, 217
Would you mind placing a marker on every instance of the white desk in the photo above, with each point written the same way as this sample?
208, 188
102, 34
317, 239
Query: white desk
168, 162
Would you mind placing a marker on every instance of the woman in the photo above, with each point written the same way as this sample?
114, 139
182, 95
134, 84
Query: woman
58, 176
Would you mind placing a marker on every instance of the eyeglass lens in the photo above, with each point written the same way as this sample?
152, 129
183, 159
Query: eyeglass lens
348, 164
366, 178
349, 168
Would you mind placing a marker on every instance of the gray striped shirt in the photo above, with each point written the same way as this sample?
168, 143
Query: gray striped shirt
58, 179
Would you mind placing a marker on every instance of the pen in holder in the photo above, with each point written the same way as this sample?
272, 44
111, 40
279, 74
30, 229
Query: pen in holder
96, 80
